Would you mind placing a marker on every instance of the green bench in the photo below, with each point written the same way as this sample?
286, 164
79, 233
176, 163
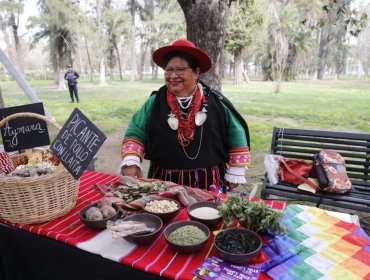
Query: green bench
302, 144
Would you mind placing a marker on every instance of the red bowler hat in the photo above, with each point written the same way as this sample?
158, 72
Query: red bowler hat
185, 46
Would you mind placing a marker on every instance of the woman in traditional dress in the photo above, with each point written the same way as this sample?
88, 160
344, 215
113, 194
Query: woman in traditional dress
191, 133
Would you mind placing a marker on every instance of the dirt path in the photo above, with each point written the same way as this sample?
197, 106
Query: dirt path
109, 154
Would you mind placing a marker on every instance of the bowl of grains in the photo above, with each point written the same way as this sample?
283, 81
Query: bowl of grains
237, 245
205, 212
165, 209
186, 237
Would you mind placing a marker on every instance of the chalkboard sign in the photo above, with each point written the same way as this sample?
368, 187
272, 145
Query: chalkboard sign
77, 143
23, 133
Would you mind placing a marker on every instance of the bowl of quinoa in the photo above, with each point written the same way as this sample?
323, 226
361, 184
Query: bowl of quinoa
165, 209
186, 237
205, 212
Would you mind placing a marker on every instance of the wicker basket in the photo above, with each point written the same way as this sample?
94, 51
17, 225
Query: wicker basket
37, 199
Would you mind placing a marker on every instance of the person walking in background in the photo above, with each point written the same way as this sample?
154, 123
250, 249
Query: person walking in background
71, 76
191, 133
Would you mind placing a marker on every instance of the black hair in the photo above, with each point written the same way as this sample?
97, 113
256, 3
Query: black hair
192, 62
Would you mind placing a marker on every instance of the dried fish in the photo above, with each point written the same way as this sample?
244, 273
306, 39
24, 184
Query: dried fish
122, 228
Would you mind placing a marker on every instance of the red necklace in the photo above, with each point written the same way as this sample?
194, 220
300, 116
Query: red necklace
185, 131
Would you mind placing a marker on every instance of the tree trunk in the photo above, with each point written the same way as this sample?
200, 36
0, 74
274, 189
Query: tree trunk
88, 59
133, 53
290, 72
323, 55
102, 81
326, 36
2, 103
59, 74
153, 65
238, 67
205, 26
80, 59
142, 60
245, 76
8, 44
17, 43
119, 61
61, 81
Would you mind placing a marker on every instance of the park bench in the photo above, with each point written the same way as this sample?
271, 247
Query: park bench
302, 144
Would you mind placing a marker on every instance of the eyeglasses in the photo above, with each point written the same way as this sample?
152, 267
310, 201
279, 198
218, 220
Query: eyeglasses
177, 70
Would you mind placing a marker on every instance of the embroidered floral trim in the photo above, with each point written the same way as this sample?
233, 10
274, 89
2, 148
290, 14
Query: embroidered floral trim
239, 156
132, 146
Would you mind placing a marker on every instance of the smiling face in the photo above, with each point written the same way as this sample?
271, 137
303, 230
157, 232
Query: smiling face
179, 77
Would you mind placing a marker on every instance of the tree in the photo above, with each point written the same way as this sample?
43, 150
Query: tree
339, 20
133, 35
279, 46
11, 10
163, 27
363, 47
243, 30
56, 23
293, 20
206, 23
117, 26
146, 13
102, 81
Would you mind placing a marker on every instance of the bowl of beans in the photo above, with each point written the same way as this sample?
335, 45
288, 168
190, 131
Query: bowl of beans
237, 245
186, 237
165, 209
205, 212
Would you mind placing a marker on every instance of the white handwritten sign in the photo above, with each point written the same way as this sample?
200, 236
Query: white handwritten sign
77, 143
24, 132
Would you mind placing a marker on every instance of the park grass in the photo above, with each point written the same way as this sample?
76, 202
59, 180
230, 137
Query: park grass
337, 105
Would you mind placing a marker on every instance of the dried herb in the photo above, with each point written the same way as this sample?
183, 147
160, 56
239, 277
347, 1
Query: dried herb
187, 235
236, 242
133, 190
255, 216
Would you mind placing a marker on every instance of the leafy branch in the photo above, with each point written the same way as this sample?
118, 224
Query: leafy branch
255, 216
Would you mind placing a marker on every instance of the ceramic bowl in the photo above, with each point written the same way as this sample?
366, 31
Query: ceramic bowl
210, 222
186, 249
253, 239
100, 224
166, 216
152, 221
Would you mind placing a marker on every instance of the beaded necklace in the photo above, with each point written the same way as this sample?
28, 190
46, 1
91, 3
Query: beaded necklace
186, 121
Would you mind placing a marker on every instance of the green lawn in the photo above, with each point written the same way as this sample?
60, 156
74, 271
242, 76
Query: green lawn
329, 105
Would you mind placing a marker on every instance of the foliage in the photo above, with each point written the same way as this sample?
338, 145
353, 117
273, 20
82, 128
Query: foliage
244, 25
57, 23
166, 17
7, 8
117, 26
354, 20
255, 216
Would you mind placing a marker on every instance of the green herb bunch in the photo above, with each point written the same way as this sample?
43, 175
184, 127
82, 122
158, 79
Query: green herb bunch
255, 216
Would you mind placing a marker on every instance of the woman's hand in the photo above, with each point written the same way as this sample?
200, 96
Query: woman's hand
132, 170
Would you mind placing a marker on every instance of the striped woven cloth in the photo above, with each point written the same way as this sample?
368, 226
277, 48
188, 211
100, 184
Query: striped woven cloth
318, 245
